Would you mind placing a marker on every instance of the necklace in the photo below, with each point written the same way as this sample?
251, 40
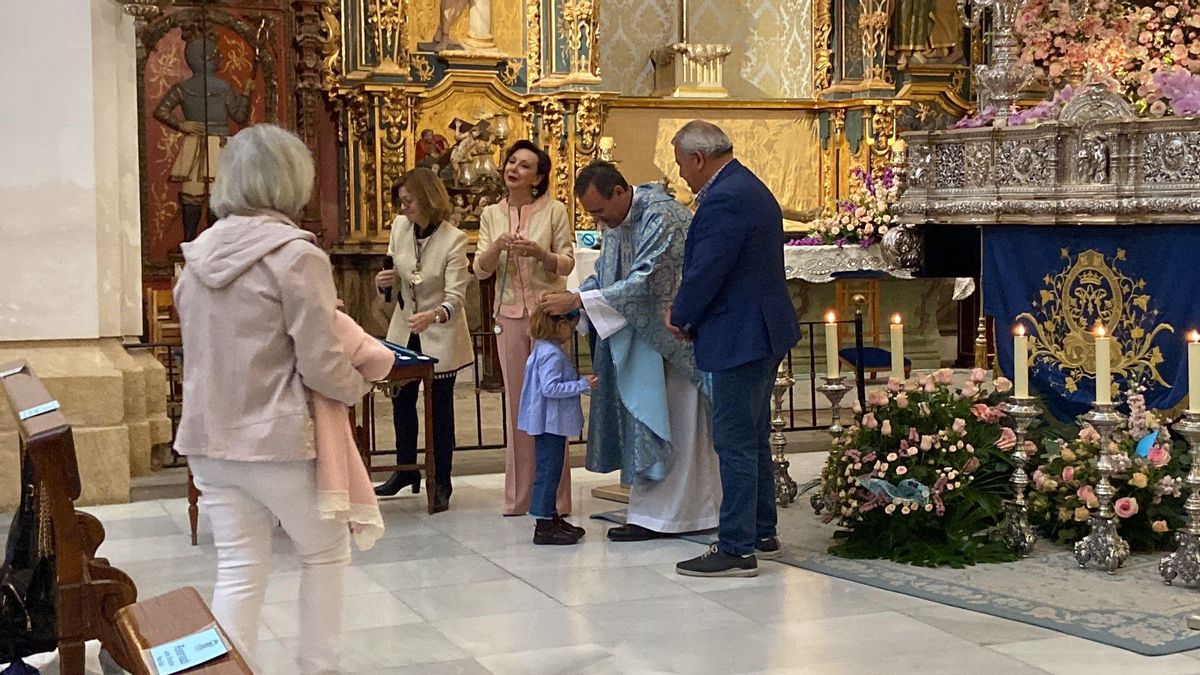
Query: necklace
417, 277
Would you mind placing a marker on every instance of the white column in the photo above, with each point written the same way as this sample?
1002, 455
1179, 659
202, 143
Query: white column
69, 226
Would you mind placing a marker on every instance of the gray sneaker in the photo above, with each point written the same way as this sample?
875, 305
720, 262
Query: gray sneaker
768, 549
714, 563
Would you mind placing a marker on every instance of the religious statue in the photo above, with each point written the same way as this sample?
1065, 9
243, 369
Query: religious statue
1091, 160
479, 32
926, 31
471, 158
208, 102
430, 148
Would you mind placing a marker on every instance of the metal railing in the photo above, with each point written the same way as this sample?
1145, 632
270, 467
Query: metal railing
801, 360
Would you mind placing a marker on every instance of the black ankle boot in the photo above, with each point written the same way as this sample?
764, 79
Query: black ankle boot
399, 479
548, 533
441, 498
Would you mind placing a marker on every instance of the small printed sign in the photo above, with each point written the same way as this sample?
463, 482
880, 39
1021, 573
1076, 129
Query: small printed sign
38, 410
188, 651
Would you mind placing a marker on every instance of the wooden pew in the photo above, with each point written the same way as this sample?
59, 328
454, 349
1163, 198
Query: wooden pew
89, 590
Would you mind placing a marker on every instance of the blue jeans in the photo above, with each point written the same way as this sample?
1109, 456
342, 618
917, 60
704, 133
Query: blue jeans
741, 402
550, 453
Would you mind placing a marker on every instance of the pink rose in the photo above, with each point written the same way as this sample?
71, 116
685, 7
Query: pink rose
944, 376
1171, 11
1159, 526
1087, 495
1038, 478
1068, 474
930, 387
901, 470
886, 429
926, 442
969, 390
893, 385
902, 400
869, 421
1008, 439
1088, 434
1158, 456
959, 426
1002, 384
1126, 507
978, 375
877, 398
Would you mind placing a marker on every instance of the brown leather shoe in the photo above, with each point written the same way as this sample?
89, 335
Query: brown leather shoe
633, 532
574, 529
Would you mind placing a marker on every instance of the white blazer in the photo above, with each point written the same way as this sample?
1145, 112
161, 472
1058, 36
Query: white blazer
445, 273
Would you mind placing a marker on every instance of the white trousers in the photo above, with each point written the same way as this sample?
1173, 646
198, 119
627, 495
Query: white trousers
242, 501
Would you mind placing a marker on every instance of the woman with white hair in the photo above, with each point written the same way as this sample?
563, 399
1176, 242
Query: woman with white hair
256, 306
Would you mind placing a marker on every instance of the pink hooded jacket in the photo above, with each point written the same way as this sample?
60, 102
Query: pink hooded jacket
256, 310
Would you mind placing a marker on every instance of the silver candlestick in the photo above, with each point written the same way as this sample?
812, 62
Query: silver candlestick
785, 488
1018, 533
834, 389
1103, 544
1185, 561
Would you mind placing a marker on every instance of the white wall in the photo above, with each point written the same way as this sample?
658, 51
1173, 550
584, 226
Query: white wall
69, 228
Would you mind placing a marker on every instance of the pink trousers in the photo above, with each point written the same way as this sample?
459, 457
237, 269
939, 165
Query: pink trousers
513, 345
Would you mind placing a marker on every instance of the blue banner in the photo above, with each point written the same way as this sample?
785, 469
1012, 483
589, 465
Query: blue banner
1140, 282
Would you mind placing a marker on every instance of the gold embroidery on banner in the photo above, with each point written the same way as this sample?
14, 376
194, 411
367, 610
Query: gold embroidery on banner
1090, 290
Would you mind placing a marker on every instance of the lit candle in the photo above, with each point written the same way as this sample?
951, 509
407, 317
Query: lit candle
831, 344
897, 347
606, 142
1103, 366
1194, 371
1021, 362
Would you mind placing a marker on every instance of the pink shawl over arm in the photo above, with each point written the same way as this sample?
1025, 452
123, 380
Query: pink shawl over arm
344, 490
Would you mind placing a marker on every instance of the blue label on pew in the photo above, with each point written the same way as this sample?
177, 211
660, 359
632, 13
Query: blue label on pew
37, 410
188, 651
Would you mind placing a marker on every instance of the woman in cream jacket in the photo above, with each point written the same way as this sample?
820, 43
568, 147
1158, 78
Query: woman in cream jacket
428, 285
525, 240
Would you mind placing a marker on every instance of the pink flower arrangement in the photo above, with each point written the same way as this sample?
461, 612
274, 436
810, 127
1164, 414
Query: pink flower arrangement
959, 426
864, 217
1126, 507
985, 413
1087, 495
1068, 474
1002, 384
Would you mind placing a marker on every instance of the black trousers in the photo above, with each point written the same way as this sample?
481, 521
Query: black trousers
404, 418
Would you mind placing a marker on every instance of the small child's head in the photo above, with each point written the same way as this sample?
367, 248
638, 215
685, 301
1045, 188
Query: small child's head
553, 327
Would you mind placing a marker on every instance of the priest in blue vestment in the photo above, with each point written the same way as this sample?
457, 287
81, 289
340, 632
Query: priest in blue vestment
651, 416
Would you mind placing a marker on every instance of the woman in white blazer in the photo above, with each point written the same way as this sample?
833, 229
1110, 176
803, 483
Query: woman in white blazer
427, 287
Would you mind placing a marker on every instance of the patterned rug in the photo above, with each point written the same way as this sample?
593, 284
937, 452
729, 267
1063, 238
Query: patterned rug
1131, 610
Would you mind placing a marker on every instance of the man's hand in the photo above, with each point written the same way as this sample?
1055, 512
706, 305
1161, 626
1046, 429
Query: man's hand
593, 382
673, 330
420, 321
193, 128
559, 303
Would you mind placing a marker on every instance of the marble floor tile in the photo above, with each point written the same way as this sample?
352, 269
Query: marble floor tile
865, 637
484, 598
525, 631
553, 661
416, 547
457, 667
589, 586
361, 612
148, 549
1068, 655
285, 586
431, 572
793, 602
635, 619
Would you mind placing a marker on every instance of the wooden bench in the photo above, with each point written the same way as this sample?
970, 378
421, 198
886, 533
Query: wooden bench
89, 590
171, 616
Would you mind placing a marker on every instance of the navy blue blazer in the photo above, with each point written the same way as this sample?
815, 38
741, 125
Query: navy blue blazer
733, 299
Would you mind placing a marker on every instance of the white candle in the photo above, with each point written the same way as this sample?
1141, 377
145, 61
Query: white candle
1021, 362
897, 348
1103, 366
831, 345
1194, 371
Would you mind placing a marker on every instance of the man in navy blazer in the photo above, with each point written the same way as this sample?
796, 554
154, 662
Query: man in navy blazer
733, 304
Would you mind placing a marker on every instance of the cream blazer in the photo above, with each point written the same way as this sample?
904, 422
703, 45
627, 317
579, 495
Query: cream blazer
545, 222
445, 273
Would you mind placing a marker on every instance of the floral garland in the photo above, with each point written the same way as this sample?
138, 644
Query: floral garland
861, 219
1148, 498
921, 475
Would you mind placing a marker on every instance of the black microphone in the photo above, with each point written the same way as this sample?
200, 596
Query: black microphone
388, 264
